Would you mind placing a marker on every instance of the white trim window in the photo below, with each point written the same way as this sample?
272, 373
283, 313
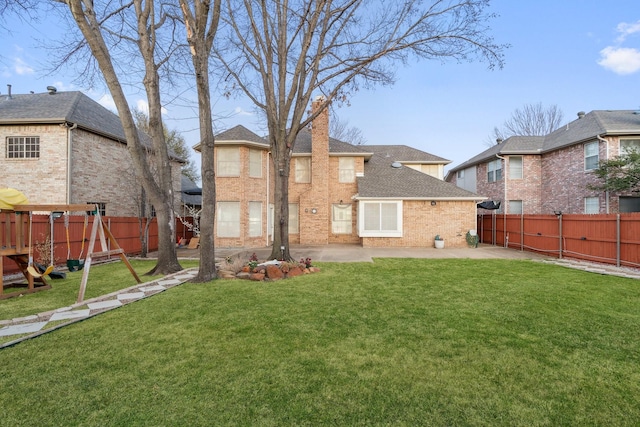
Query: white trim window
294, 223
591, 205
228, 219
380, 218
255, 219
346, 169
341, 219
460, 174
591, 156
515, 207
515, 167
628, 146
23, 147
255, 163
303, 170
228, 161
494, 171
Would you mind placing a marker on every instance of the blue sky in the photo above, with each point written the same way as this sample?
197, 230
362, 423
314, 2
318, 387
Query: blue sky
578, 55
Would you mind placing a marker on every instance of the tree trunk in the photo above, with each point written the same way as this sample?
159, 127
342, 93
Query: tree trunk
280, 249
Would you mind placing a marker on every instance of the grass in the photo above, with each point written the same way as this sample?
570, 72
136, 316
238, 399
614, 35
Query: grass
397, 342
103, 279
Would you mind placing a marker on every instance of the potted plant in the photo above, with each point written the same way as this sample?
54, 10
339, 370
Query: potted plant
439, 242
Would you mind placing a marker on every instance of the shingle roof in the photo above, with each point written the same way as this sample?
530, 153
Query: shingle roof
303, 145
189, 199
585, 128
405, 154
240, 134
61, 107
382, 180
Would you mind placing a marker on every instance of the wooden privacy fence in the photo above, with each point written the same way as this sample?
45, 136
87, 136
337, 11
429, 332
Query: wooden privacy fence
126, 231
606, 238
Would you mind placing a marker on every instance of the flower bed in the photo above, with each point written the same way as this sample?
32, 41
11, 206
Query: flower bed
265, 271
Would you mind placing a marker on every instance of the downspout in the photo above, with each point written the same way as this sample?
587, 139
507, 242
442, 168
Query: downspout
506, 204
69, 163
267, 204
606, 193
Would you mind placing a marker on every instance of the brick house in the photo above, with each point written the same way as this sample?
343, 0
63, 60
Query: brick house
63, 147
385, 195
548, 174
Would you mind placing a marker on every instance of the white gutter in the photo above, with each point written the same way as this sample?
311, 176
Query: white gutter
267, 204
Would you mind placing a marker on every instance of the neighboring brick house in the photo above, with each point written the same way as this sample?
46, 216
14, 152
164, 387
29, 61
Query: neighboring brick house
63, 147
338, 193
550, 174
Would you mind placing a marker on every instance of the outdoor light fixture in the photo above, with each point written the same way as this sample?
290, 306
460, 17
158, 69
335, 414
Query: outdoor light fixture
314, 210
433, 203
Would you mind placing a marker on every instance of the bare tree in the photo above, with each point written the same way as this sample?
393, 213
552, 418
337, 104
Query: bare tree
530, 120
279, 53
340, 129
138, 23
201, 23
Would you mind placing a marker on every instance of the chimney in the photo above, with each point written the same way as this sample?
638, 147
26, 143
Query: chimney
580, 114
8, 91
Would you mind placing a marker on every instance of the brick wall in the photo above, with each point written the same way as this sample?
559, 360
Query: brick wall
422, 221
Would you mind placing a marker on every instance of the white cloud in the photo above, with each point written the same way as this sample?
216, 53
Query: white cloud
21, 68
620, 60
143, 106
241, 112
107, 101
626, 30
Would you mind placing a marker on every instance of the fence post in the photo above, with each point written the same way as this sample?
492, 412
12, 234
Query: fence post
617, 240
521, 232
560, 234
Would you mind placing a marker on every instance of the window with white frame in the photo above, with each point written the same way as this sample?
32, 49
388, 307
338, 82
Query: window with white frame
591, 155
494, 171
380, 219
303, 169
255, 163
341, 219
591, 205
294, 225
629, 146
228, 219
255, 219
515, 207
22, 147
460, 174
515, 167
228, 161
347, 169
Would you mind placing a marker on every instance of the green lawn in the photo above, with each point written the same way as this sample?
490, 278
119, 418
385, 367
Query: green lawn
398, 342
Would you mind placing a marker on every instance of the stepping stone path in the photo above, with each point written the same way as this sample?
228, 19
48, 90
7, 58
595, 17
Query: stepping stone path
24, 328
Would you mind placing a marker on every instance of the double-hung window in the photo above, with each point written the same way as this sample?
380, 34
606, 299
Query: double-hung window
228, 219
347, 169
515, 207
228, 161
494, 171
255, 163
515, 167
255, 219
341, 219
591, 205
294, 226
591, 156
303, 169
23, 147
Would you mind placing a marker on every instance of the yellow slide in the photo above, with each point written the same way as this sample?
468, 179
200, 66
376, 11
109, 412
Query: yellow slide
10, 197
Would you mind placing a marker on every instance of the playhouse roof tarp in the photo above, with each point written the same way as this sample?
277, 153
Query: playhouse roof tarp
10, 197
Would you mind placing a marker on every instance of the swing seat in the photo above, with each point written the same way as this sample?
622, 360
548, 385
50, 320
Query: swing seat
75, 264
35, 273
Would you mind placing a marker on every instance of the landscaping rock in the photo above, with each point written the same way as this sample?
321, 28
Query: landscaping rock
295, 271
274, 272
258, 277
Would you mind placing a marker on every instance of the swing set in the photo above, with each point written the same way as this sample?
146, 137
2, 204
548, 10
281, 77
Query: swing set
17, 245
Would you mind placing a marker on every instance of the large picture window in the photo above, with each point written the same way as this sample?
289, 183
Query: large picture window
341, 219
591, 156
228, 161
23, 147
228, 219
629, 146
303, 169
380, 219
